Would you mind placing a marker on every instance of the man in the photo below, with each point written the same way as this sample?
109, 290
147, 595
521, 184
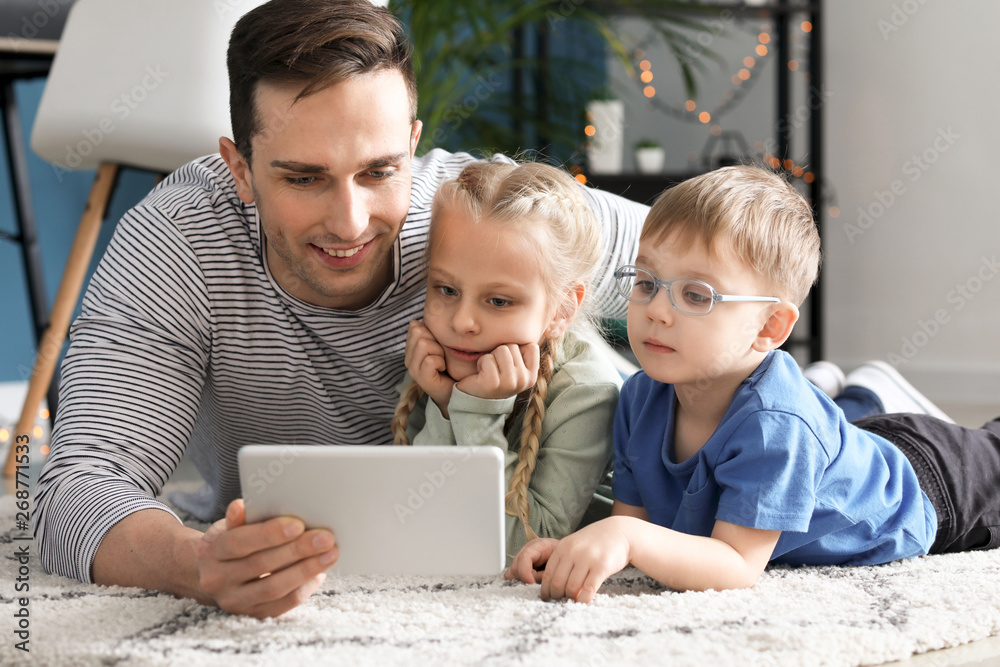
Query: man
260, 295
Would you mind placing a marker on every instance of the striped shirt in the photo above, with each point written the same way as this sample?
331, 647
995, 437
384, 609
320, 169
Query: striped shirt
187, 344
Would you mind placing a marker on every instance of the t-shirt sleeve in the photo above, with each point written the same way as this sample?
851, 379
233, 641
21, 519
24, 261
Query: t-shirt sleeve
623, 485
769, 473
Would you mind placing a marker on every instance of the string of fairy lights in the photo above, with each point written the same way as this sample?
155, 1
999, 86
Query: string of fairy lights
743, 80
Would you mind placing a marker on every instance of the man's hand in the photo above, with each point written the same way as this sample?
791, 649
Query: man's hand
581, 562
262, 569
529, 562
424, 360
504, 372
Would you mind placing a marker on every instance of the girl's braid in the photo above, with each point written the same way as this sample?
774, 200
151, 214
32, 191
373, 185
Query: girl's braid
531, 430
401, 419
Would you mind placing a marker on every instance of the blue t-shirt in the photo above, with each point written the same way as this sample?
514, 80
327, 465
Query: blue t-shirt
783, 458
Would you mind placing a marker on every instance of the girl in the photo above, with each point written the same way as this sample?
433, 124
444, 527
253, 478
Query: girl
500, 358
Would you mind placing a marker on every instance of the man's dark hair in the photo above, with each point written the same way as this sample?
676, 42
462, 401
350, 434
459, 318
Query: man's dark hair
315, 43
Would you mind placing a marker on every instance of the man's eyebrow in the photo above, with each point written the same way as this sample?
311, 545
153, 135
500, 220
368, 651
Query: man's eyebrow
308, 168
300, 167
385, 160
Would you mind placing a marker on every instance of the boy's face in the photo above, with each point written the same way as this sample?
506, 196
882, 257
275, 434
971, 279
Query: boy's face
485, 288
678, 348
331, 178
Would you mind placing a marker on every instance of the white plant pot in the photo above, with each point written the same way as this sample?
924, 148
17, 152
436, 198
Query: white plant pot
650, 160
605, 149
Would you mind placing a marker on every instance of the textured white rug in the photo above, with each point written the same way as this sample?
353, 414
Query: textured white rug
805, 616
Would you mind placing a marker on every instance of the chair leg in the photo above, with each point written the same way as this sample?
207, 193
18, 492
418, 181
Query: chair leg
67, 297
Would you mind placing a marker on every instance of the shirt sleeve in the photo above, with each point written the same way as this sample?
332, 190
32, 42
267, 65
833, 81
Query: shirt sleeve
573, 454
771, 470
129, 393
621, 221
623, 485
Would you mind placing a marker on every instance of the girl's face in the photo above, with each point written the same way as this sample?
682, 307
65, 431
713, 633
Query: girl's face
485, 288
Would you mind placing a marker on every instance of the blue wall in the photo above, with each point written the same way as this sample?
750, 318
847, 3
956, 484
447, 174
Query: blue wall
58, 200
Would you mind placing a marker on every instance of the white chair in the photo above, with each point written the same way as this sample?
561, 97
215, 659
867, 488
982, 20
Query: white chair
134, 83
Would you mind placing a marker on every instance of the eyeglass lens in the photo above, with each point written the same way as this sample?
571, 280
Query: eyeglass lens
688, 296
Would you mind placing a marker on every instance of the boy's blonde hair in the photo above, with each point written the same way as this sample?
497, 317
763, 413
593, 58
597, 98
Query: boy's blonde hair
516, 196
756, 213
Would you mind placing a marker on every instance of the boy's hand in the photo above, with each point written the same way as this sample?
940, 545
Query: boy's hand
529, 561
582, 561
262, 569
504, 372
424, 360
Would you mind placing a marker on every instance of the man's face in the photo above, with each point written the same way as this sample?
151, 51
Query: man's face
331, 177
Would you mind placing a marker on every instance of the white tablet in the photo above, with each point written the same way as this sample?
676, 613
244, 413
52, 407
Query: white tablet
392, 509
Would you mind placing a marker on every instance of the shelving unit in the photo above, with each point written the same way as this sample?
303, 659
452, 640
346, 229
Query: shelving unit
788, 128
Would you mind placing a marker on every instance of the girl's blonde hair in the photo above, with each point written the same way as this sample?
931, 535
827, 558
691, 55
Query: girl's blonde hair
760, 215
515, 196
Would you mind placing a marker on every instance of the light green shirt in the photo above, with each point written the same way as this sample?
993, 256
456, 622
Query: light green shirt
575, 446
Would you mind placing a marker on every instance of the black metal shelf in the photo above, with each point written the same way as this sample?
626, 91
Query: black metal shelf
644, 188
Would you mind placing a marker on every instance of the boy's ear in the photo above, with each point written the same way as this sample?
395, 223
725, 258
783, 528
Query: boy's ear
567, 312
239, 168
778, 326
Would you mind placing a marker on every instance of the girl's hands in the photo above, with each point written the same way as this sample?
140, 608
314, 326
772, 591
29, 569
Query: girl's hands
504, 372
424, 360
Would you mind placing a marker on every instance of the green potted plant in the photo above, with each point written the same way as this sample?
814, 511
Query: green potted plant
649, 156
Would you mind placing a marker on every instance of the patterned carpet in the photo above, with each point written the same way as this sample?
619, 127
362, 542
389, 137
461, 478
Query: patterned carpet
804, 616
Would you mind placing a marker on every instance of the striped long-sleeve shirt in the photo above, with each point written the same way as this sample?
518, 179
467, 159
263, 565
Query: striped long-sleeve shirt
187, 344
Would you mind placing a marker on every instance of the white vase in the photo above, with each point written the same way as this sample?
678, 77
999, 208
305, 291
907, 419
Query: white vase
605, 147
650, 160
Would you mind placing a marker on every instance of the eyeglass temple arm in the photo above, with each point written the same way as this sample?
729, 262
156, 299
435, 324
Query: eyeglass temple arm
730, 297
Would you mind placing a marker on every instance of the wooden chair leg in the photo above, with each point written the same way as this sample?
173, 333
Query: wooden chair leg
67, 297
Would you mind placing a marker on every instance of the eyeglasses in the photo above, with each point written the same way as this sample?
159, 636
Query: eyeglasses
689, 296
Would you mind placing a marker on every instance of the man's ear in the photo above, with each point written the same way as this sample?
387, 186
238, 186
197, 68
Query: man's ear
418, 126
567, 312
778, 327
239, 169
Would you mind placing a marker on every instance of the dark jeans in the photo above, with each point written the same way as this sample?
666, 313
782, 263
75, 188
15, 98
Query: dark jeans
958, 469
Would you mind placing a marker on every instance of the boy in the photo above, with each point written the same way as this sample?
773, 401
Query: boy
726, 457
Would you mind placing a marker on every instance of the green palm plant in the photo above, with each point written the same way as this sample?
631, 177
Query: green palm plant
486, 80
